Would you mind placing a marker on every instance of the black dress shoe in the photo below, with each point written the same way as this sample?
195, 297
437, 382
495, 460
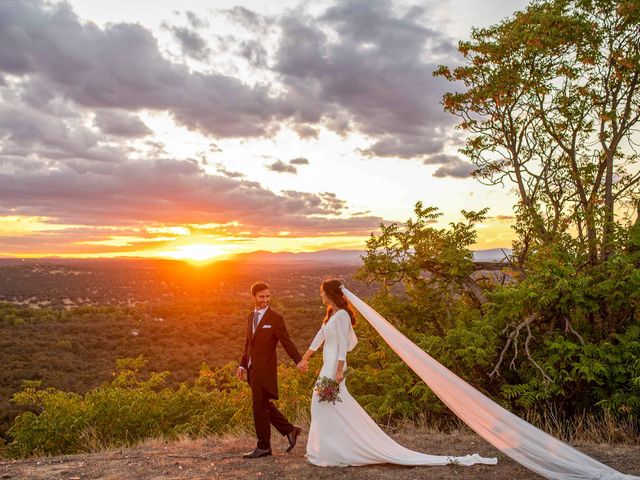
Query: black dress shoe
292, 436
258, 453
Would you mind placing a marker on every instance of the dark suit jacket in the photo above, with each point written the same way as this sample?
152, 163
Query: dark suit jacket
261, 347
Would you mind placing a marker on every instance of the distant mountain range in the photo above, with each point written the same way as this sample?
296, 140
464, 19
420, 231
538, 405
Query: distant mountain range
347, 257
326, 257
329, 257
492, 255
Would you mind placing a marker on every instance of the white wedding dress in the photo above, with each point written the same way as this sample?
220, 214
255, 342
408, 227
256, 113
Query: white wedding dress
342, 434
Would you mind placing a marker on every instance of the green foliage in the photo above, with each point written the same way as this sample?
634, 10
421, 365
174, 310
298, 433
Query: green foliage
560, 335
433, 264
550, 104
384, 384
75, 350
600, 376
131, 408
401, 253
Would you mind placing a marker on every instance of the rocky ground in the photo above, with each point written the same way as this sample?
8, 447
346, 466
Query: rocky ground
220, 458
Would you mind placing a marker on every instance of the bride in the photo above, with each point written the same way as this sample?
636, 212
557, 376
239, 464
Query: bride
342, 434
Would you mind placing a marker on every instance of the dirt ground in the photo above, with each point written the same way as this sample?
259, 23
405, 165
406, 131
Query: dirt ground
221, 458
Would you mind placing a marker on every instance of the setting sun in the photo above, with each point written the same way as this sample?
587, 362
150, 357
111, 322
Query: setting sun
196, 252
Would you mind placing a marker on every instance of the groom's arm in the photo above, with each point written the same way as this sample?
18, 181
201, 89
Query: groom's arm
283, 336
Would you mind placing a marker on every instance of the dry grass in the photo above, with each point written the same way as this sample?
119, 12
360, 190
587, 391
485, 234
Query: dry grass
220, 458
587, 428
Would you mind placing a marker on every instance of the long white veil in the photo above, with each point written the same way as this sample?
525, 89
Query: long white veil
524, 443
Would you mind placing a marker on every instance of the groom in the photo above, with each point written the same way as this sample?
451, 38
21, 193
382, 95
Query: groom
265, 328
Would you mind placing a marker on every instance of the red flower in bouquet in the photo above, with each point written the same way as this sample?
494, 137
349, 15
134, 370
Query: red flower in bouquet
328, 390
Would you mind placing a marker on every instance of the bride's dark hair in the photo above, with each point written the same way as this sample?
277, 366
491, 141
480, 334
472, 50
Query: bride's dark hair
331, 288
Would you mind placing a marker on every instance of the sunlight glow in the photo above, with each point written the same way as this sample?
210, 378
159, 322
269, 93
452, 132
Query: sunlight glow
196, 252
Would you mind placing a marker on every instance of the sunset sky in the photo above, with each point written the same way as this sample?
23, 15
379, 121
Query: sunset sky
202, 128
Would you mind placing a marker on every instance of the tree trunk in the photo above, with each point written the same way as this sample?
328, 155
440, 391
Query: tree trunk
471, 285
592, 239
608, 231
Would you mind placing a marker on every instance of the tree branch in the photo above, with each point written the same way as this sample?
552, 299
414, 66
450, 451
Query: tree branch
510, 340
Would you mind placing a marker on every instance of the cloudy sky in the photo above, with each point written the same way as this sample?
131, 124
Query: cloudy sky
195, 128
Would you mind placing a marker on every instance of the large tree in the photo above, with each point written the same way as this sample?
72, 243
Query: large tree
550, 105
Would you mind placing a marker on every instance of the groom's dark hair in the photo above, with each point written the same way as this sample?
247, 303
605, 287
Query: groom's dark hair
258, 287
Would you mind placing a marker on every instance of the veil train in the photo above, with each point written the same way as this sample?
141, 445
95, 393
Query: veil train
524, 443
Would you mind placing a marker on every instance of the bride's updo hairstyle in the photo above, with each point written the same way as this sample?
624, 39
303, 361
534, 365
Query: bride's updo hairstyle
331, 288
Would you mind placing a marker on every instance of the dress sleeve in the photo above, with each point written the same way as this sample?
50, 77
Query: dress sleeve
343, 326
318, 340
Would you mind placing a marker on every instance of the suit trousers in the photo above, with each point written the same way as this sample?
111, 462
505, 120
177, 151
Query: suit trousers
265, 414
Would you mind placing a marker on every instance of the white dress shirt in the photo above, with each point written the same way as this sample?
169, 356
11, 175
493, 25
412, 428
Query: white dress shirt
261, 313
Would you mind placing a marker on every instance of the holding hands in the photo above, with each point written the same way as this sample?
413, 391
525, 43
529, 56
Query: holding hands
303, 365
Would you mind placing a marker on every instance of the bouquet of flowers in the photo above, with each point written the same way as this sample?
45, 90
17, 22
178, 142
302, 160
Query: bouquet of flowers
328, 390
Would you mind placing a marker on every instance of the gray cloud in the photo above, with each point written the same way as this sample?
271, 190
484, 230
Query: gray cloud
306, 131
191, 42
299, 161
76, 241
404, 146
121, 124
301, 226
121, 66
317, 200
254, 52
40, 135
281, 167
460, 169
249, 19
441, 159
362, 65
451, 166
375, 69
228, 173
40, 96
168, 192
196, 21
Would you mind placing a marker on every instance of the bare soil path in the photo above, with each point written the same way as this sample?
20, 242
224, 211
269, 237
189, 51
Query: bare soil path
220, 458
